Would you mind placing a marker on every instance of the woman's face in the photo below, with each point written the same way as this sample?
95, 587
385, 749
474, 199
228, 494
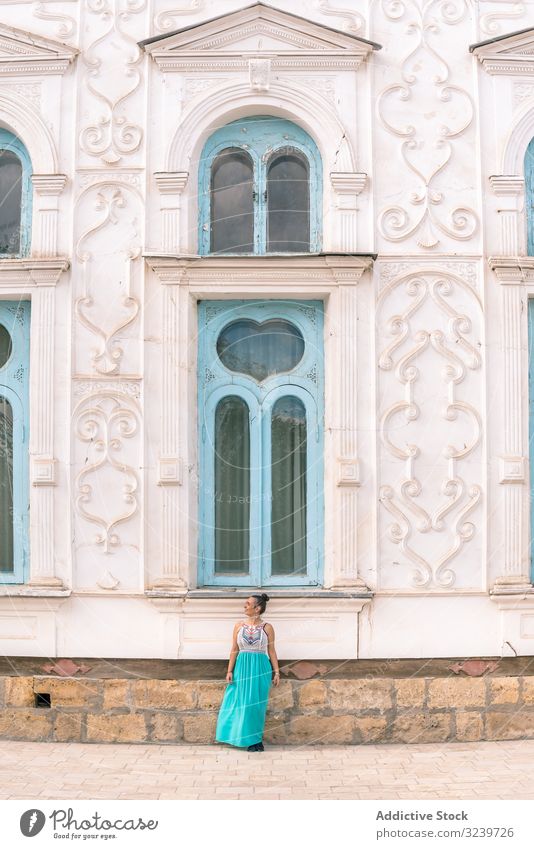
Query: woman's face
251, 607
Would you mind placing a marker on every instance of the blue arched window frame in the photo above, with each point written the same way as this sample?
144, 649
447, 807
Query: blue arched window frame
529, 194
8, 141
14, 386
261, 137
305, 382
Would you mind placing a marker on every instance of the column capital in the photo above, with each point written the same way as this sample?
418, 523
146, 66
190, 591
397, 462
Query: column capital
348, 182
49, 184
513, 269
171, 182
506, 185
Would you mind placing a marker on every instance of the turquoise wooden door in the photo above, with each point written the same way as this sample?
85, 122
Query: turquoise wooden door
14, 389
260, 412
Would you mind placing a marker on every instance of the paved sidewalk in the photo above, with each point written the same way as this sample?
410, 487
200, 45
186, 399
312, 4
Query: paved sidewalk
501, 770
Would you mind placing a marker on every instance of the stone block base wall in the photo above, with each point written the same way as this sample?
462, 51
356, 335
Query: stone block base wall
333, 711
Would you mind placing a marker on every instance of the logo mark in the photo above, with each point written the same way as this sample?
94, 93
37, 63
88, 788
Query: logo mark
32, 822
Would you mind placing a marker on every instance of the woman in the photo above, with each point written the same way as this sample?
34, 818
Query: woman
252, 665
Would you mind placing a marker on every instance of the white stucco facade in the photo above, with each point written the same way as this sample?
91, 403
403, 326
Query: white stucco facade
424, 276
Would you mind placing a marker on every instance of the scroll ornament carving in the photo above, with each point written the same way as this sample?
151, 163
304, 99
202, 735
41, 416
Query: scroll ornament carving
67, 25
459, 355
351, 21
112, 135
491, 23
168, 19
107, 356
396, 223
103, 421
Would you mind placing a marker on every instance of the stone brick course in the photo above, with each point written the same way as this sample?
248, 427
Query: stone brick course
329, 710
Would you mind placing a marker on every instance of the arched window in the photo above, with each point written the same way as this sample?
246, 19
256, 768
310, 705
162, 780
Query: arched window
261, 413
14, 361
260, 189
15, 196
529, 193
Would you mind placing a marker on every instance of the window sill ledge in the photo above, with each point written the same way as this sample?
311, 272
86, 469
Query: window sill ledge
245, 592
15, 591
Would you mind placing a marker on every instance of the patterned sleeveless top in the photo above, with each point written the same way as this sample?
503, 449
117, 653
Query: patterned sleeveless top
252, 638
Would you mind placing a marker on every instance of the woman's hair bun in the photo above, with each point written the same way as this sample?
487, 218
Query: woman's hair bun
265, 597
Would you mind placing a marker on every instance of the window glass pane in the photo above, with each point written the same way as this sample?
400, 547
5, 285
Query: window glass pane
288, 200
232, 209
232, 486
288, 505
5, 346
260, 350
6, 486
10, 202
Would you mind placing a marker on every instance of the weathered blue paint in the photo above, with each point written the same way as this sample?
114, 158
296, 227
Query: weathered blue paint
14, 385
529, 196
10, 142
261, 136
305, 381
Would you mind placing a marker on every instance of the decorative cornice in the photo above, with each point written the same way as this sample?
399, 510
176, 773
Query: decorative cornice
168, 63
32, 65
49, 184
511, 54
171, 182
507, 186
32, 271
348, 183
513, 269
508, 67
302, 269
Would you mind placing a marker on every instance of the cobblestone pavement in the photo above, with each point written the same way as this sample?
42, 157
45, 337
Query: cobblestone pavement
500, 770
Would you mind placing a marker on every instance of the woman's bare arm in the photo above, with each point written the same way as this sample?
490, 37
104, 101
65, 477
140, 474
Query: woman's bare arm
234, 651
269, 630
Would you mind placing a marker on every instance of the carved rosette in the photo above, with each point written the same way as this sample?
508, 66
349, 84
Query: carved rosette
430, 389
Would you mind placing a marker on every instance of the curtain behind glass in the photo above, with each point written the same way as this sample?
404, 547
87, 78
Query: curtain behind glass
232, 205
288, 194
288, 510
260, 350
6, 486
10, 202
232, 486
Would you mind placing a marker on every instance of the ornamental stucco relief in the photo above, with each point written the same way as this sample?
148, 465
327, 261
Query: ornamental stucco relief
111, 134
103, 420
430, 419
108, 305
429, 113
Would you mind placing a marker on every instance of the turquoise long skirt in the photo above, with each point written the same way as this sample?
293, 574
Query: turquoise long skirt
242, 713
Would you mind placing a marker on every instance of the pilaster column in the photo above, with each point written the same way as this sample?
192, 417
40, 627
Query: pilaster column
42, 462
347, 469
47, 189
513, 475
510, 191
347, 186
174, 328
170, 186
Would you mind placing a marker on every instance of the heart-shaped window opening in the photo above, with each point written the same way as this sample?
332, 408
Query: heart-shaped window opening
260, 349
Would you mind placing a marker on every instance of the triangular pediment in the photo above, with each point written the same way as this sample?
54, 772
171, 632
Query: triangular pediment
257, 30
508, 54
23, 51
